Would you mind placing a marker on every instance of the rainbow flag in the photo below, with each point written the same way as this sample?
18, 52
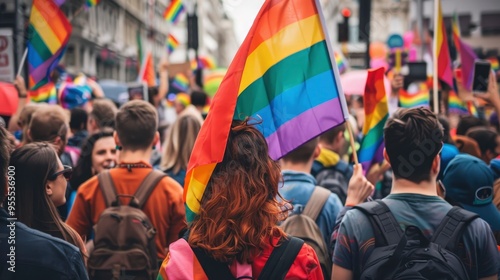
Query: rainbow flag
412, 99
46, 93
443, 54
48, 32
181, 82
472, 109
376, 114
213, 81
91, 3
173, 11
147, 73
494, 64
204, 62
455, 31
172, 43
340, 61
456, 105
282, 76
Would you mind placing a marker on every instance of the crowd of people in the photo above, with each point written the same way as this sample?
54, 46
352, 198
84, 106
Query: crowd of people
54, 159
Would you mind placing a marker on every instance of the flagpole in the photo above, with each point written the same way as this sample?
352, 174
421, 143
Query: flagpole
435, 58
351, 138
20, 69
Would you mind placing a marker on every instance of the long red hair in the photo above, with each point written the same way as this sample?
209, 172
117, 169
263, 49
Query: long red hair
239, 209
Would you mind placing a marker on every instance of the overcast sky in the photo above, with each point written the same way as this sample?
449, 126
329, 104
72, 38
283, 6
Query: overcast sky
243, 12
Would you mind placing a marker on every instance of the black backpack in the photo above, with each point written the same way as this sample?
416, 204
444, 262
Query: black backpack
335, 178
409, 254
276, 267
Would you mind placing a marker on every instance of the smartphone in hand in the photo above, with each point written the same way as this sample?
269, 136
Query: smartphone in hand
481, 76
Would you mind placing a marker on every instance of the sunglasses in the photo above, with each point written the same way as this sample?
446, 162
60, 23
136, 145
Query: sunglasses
67, 172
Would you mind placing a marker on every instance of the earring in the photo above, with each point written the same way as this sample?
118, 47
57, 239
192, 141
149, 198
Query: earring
118, 148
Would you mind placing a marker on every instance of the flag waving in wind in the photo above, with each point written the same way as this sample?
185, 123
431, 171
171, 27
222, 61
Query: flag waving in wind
49, 31
377, 113
283, 76
442, 55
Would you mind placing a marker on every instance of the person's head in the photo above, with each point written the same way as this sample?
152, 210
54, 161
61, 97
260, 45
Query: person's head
25, 119
413, 139
199, 99
239, 208
98, 153
4, 159
468, 122
304, 154
334, 140
182, 100
41, 182
78, 119
180, 142
40, 179
102, 115
446, 130
136, 126
50, 124
469, 182
488, 142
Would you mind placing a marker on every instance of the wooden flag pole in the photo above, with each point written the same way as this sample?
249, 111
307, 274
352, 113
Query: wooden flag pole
351, 138
435, 59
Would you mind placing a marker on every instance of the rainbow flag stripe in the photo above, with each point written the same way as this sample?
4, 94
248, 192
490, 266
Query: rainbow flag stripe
46, 93
174, 11
181, 82
455, 31
417, 99
456, 105
281, 75
205, 62
340, 61
49, 31
91, 3
494, 63
443, 54
377, 113
172, 43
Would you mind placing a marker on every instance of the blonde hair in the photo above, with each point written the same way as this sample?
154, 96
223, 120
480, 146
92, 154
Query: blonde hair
180, 142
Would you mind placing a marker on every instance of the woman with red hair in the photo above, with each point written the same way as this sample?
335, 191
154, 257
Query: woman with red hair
236, 230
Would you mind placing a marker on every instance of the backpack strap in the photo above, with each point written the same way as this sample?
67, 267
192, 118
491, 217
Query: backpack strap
450, 231
385, 227
146, 188
318, 199
107, 187
282, 258
212, 268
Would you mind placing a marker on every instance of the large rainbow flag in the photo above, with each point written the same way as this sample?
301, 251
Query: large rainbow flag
467, 55
445, 66
376, 115
283, 75
174, 11
48, 32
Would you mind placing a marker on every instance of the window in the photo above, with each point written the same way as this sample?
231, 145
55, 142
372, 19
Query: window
490, 25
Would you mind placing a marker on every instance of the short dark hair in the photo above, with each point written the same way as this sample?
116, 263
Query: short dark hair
303, 153
4, 162
468, 122
199, 98
413, 138
486, 139
446, 130
329, 135
78, 119
104, 112
136, 125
